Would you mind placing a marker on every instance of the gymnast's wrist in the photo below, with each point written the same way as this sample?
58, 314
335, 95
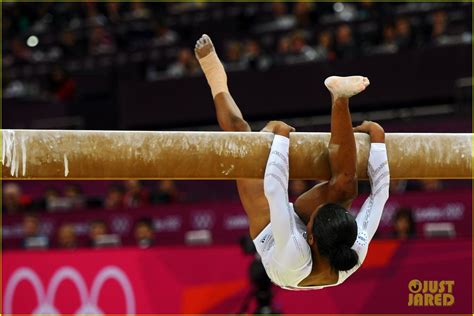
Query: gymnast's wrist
282, 133
376, 133
283, 129
281, 139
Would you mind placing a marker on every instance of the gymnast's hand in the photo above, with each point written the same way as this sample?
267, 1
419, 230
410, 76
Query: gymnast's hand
279, 128
376, 132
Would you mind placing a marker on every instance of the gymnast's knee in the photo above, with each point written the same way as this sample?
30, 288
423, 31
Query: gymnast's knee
345, 187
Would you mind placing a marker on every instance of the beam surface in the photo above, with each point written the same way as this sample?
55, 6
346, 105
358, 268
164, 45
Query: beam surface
58, 154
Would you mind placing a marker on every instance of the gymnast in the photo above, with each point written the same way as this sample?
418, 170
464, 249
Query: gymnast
315, 242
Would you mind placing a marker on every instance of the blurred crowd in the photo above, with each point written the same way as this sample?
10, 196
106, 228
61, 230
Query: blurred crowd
300, 42
133, 194
98, 235
159, 36
130, 194
121, 195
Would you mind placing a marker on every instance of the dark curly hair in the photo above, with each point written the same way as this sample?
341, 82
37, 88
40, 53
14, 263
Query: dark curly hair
335, 231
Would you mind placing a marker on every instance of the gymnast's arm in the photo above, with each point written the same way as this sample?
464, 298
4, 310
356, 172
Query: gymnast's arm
288, 253
370, 214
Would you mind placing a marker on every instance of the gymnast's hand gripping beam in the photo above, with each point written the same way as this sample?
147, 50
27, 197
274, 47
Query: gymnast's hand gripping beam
100, 155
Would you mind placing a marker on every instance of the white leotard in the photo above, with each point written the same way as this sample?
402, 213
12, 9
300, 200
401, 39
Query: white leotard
282, 245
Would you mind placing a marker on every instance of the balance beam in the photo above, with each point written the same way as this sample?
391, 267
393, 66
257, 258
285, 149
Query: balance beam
59, 154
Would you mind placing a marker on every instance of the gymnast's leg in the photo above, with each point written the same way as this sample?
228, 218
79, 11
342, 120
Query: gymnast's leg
230, 119
342, 187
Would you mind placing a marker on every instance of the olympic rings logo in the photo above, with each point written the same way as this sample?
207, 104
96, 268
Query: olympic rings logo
89, 302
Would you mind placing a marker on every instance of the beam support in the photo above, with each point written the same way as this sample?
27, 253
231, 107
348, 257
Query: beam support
58, 154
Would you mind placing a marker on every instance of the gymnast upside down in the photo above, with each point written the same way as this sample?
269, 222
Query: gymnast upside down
315, 242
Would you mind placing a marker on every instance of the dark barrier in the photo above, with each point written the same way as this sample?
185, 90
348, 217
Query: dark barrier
412, 77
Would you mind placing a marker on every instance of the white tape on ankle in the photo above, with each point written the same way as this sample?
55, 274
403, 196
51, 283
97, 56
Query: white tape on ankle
215, 73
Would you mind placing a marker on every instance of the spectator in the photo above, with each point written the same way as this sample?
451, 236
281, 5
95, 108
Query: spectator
67, 237
164, 35
404, 226
62, 88
114, 13
135, 195
31, 225
74, 197
281, 19
69, 15
431, 185
345, 44
14, 201
144, 233
401, 186
99, 236
138, 11
253, 56
52, 200
93, 16
32, 238
404, 36
115, 197
439, 25
303, 14
97, 229
101, 41
368, 10
167, 192
233, 56
21, 18
398, 186
283, 50
42, 21
183, 7
301, 52
185, 64
345, 11
21, 53
324, 49
389, 44
70, 45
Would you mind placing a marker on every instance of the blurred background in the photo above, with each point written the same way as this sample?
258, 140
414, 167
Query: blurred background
183, 245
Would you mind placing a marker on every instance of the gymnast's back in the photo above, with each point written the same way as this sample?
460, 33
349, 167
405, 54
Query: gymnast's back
283, 245
300, 257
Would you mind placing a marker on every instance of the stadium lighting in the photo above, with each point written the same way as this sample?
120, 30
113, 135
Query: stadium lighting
32, 41
338, 7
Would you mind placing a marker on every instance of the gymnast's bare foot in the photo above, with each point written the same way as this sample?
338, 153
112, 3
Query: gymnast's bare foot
346, 87
203, 47
211, 65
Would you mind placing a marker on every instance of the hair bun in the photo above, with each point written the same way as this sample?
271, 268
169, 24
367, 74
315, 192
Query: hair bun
343, 258
335, 232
